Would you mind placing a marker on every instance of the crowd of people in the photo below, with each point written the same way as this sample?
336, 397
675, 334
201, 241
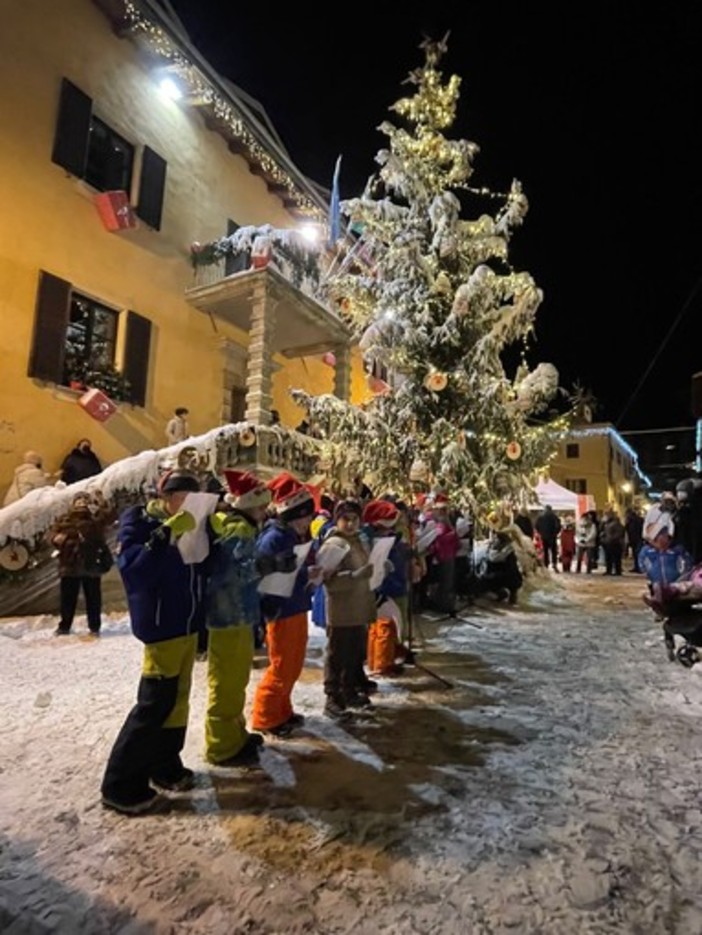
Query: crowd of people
222, 563
214, 567
566, 544
277, 554
80, 462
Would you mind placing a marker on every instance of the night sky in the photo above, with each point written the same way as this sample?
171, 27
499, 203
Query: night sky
597, 111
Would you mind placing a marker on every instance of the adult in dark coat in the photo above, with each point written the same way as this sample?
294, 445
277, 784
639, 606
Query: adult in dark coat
76, 535
82, 462
548, 525
633, 524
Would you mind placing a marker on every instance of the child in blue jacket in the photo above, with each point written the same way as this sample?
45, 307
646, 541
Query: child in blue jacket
166, 606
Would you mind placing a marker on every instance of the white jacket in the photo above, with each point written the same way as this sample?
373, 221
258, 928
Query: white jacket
585, 535
177, 430
27, 477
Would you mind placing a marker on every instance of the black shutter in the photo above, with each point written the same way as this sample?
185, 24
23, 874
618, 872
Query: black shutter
151, 188
50, 323
72, 129
136, 356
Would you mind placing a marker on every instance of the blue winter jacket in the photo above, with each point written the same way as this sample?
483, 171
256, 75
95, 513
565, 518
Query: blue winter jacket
165, 596
275, 552
664, 566
232, 584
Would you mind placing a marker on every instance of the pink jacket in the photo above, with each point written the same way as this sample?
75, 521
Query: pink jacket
445, 547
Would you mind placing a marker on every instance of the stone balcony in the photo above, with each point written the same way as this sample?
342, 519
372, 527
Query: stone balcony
274, 297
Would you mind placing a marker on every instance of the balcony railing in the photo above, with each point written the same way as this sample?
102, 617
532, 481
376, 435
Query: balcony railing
271, 449
250, 248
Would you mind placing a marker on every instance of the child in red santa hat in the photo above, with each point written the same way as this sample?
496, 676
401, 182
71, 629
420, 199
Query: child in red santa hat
285, 614
381, 519
233, 612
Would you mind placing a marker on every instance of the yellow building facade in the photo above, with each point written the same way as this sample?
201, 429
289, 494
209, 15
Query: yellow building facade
83, 114
594, 460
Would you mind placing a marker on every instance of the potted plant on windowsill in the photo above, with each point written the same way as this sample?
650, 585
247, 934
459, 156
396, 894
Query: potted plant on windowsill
112, 383
105, 377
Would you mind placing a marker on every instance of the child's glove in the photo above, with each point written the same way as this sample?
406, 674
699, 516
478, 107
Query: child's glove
222, 526
365, 571
180, 523
217, 524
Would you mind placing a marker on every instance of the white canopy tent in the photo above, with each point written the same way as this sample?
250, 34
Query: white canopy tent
560, 498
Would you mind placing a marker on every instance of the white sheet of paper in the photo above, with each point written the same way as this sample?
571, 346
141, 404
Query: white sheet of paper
378, 556
194, 546
425, 538
281, 583
390, 611
331, 555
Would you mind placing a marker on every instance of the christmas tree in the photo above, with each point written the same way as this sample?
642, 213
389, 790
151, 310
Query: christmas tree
435, 305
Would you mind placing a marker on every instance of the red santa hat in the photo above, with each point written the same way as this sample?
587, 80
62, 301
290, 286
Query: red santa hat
246, 490
380, 513
291, 499
438, 502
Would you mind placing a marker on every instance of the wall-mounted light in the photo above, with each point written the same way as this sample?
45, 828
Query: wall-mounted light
626, 487
169, 88
310, 232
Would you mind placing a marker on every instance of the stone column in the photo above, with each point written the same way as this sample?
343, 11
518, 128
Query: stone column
259, 375
342, 371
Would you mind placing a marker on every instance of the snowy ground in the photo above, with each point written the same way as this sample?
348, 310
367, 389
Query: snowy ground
553, 788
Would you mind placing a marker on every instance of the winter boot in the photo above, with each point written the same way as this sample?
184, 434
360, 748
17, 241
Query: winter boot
335, 708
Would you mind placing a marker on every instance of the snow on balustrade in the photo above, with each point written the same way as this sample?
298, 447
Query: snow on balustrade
31, 516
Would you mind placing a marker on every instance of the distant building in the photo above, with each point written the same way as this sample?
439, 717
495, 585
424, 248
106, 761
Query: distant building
597, 461
117, 198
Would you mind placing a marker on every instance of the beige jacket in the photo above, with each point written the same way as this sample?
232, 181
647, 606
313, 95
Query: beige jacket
27, 477
349, 601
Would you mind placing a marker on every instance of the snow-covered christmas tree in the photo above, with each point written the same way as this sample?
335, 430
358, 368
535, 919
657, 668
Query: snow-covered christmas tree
435, 305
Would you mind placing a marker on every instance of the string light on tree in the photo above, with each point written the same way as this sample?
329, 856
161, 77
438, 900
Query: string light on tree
435, 302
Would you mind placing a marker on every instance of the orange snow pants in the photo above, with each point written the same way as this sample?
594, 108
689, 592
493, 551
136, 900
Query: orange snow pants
382, 645
286, 642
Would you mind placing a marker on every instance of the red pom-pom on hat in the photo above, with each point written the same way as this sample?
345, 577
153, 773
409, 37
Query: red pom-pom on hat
291, 499
380, 513
246, 490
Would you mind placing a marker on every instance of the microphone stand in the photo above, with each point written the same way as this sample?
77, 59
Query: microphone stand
411, 658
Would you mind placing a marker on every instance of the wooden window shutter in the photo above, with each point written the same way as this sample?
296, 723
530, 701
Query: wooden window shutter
151, 188
50, 323
136, 356
72, 129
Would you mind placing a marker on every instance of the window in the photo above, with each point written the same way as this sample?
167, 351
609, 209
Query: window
85, 146
577, 486
109, 159
376, 369
75, 338
238, 404
91, 337
572, 451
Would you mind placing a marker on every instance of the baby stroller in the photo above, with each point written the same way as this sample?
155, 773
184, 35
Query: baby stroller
678, 606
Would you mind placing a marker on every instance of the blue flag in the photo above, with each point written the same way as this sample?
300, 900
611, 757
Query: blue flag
334, 207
